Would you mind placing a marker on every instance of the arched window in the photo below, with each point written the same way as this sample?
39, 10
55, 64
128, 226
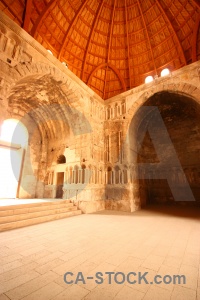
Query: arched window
165, 72
50, 51
61, 159
14, 132
148, 79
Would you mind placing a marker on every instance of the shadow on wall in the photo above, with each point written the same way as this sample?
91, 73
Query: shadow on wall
167, 149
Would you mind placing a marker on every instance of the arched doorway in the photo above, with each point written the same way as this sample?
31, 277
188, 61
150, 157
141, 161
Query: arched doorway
13, 142
180, 118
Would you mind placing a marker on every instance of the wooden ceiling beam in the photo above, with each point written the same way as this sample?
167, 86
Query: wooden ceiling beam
27, 14
50, 47
173, 30
180, 11
35, 5
138, 55
111, 31
104, 87
45, 11
132, 33
12, 11
116, 71
187, 19
150, 72
70, 27
63, 12
56, 22
143, 64
194, 40
54, 36
96, 18
109, 45
148, 38
128, 48
197, 3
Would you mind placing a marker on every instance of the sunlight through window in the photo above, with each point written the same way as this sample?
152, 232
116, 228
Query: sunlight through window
14, 132
148, 79
165, 72
11, 156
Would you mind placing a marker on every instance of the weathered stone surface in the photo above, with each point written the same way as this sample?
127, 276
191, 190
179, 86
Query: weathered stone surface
98, 139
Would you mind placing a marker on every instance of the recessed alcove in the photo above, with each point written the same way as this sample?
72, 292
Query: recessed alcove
174, 131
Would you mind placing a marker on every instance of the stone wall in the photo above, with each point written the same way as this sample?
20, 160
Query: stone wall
62, 115
65, 117
133, 194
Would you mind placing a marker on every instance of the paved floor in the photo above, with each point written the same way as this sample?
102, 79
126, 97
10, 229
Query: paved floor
8, 202
158, 240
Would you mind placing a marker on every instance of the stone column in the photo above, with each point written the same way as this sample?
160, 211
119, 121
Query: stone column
113, 177
106, 177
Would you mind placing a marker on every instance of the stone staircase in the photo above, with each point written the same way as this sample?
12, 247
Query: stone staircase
21, 215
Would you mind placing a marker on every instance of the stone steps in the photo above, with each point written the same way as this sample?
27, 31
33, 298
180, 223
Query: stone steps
16, 216
36, 204
14, 210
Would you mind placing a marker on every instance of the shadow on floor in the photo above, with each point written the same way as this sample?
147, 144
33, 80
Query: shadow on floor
181, 211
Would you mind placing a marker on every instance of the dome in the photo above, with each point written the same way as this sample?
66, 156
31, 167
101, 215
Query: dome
113, 45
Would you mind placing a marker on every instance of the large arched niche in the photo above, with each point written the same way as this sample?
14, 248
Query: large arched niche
181, 116
41, 103
37, 102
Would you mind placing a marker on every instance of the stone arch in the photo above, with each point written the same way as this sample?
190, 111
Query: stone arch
184, 88
60, 116
184, 110
22, 70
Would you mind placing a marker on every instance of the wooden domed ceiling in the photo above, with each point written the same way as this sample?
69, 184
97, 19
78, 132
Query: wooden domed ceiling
113, 45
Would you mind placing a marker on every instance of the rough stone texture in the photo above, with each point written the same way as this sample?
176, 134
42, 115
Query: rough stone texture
65, 117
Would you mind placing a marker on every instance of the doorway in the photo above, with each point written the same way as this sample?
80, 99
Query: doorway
59, 185
13, 139
10, 167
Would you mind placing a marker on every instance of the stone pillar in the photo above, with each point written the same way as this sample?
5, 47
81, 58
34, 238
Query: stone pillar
106, 177
135, 202
79, 176
113, 177
129, 176
121, 181
65, 177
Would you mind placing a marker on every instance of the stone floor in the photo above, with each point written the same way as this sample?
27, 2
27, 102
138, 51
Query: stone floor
8, 202
157, 240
